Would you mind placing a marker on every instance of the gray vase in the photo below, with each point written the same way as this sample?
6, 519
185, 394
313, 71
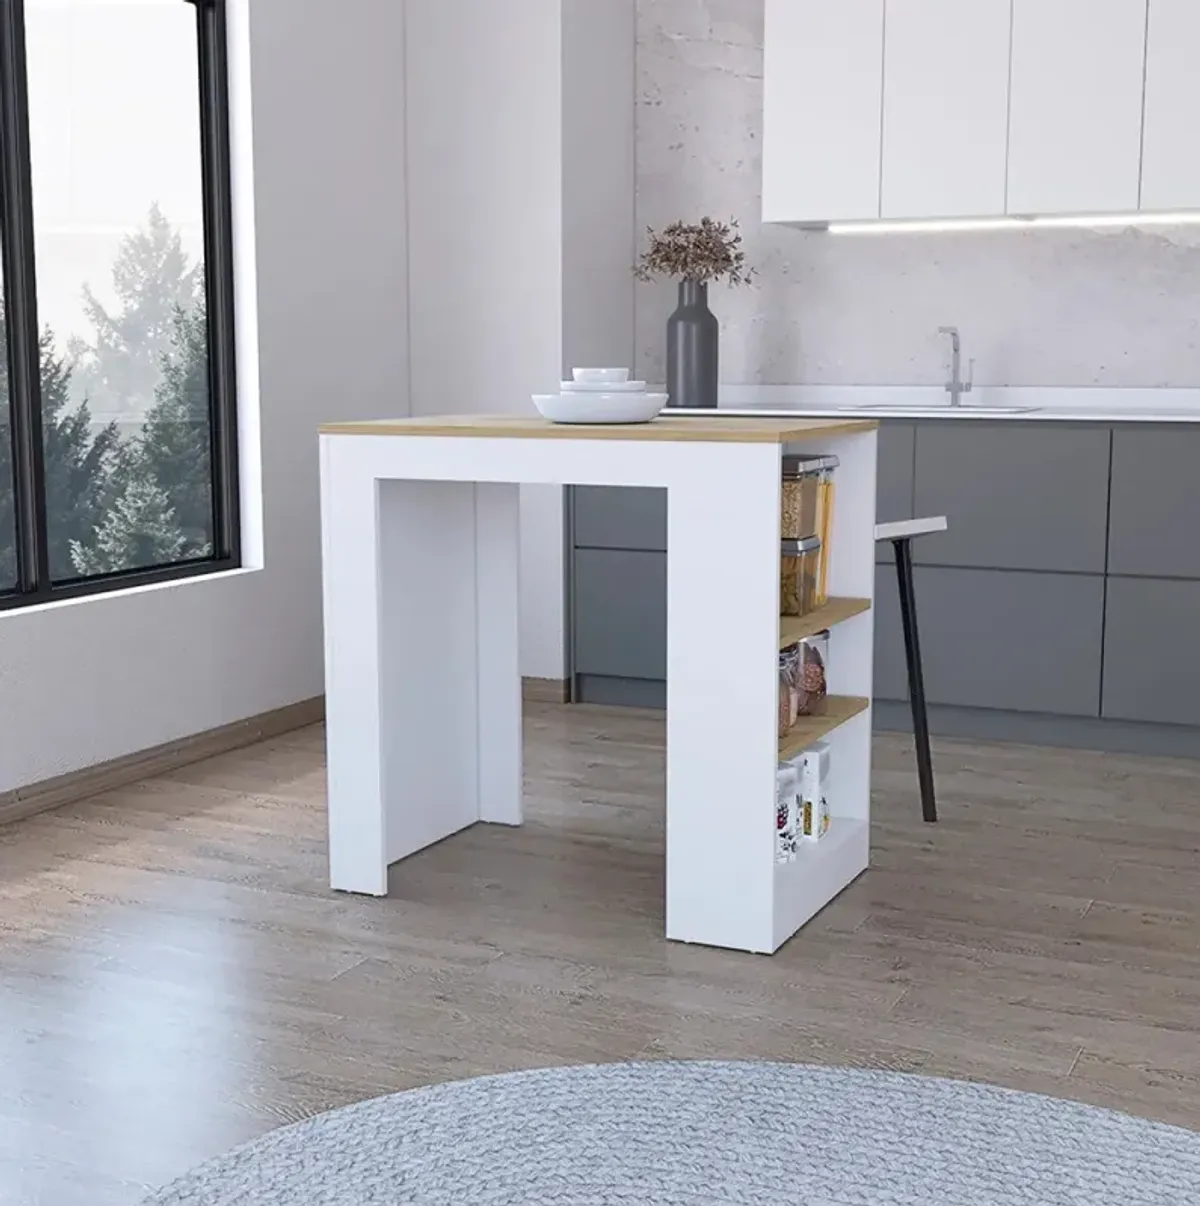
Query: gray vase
693, 337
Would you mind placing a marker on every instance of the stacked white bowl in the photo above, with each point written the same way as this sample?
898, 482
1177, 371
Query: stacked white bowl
600, 395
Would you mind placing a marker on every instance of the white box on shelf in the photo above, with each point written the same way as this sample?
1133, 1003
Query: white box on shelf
812, 770
787, 813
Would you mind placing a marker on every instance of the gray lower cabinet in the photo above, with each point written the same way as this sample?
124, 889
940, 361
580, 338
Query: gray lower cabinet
1015, 641
891, 674
894, 485
615, 517
1154, 526
620, 613
1030, 496
1152, 651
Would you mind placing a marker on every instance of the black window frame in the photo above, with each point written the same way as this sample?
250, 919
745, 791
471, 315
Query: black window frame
34, 583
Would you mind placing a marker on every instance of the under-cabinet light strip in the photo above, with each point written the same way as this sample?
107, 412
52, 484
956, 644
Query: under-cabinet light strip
919, 225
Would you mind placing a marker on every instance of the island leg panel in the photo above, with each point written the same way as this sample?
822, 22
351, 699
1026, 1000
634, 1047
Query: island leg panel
357, 850
722, 696
498, 633
423, 681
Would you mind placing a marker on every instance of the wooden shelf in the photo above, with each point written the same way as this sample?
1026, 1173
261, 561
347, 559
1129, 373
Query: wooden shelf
792, 628
806, 730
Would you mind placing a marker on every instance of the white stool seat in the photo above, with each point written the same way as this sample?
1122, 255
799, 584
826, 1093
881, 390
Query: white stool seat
910, 527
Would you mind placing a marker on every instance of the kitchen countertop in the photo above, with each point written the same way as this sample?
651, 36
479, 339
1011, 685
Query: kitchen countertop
701, 426
1052, 404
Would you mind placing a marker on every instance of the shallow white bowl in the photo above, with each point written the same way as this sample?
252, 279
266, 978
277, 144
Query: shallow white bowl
604, 376
604, 387
599, 408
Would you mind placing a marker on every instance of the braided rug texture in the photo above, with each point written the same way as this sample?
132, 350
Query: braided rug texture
683, 1134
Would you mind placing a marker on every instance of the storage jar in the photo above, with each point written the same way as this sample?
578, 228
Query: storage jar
813, 684
803, 477
800, 576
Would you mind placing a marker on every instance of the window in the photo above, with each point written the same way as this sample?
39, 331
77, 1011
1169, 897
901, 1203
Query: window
118, 449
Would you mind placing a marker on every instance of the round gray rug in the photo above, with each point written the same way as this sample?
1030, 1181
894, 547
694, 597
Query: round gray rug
690, 1133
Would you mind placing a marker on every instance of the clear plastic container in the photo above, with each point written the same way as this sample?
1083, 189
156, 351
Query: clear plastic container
790, 670
803, 479
800, 576
810, 674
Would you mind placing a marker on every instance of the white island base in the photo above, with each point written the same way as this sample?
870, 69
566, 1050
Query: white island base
421, 529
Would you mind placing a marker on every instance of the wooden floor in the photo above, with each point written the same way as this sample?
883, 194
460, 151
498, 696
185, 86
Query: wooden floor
175, 978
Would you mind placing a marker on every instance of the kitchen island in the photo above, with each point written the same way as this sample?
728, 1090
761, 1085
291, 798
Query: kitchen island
420, 531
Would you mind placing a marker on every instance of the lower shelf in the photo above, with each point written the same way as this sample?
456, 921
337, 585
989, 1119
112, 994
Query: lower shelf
806, 730
820, 871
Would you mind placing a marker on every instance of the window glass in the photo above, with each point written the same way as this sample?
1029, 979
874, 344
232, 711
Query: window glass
118, 218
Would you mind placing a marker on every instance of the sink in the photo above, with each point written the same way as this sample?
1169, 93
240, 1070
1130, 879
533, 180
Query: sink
940, 411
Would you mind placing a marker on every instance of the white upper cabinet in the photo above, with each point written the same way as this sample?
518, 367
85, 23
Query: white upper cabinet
1170, 150
822, 95
945, 108
1075, 116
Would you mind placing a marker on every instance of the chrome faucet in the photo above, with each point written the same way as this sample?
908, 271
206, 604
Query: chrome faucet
956, 386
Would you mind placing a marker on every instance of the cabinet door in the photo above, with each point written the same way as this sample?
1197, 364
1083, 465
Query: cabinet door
945, 108
894, 479
1170, 165
1028, 496
617, 517
1075, 116
620, 605
1017, 642
822, 96
891, 670
1155, 502
1151, 651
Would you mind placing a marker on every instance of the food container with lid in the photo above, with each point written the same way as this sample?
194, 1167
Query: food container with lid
812, 770
789, 676
800, 573
812, 685
803, 478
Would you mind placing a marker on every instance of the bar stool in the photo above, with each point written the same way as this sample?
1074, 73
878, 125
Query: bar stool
901, 535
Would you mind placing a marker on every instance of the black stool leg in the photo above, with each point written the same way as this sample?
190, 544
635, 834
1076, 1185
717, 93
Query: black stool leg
916, 680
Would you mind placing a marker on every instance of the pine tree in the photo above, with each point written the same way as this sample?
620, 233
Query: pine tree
174, 450
137, 533
152, 280
84, 468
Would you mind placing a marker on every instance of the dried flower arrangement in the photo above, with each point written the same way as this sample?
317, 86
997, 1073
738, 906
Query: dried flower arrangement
707, 251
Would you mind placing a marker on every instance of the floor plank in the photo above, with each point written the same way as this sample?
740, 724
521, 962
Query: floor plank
175, 978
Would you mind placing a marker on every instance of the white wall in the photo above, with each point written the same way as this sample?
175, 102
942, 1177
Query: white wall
1069, 308
520, 228
89, 680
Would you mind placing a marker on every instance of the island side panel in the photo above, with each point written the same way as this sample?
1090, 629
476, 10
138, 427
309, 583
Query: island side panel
498, 635
428, 659
357, 854
722, 694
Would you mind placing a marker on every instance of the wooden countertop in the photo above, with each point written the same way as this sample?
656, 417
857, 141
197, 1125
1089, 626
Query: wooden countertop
736, 431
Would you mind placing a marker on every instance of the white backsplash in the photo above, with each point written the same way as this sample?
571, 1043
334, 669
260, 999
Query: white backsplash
1049, 307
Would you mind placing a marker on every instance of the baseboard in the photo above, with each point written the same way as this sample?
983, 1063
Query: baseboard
545, 690
119, 772
1027, 728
